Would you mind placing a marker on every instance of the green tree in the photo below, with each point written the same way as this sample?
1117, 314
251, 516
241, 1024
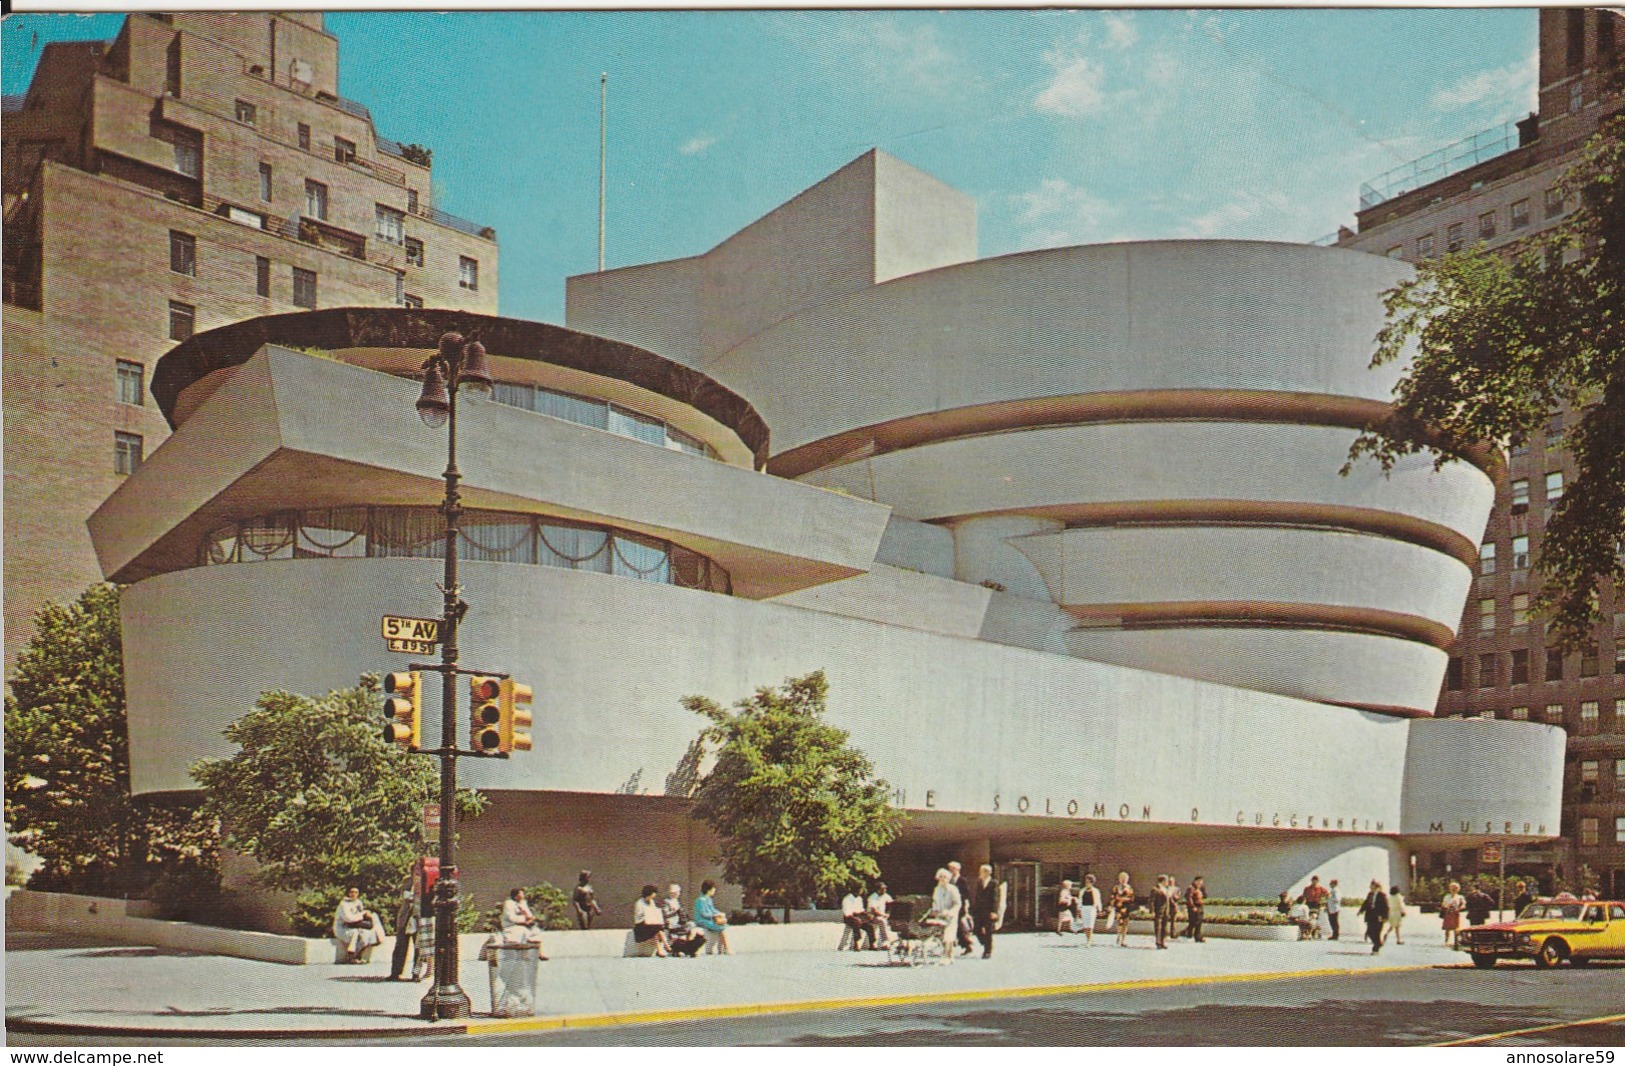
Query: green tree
1499, 343
321, 801
797, 810
67, 776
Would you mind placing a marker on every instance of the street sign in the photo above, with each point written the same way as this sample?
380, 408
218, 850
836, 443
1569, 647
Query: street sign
1490, 855
416, 636
431, 820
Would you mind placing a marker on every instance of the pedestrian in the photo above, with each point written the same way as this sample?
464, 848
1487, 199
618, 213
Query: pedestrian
1334, 904
682, 938
1450, 908
1283, 904
1396, 915
406, 927
1159, 909
1375, 909
962, 887
855, 918
1479, 905
1195, 906
879, 911
1524, 898
711, 920
1088, 908
356, 927
1314, 897
584, 901
1122, 904
1063, 909
946, 903
986, 908
520, 924
648, 923
1175, 896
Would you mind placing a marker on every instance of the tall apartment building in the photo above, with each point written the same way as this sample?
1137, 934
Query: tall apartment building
199, 169
1499, 188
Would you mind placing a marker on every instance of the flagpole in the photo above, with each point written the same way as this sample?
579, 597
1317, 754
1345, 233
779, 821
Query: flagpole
603, 142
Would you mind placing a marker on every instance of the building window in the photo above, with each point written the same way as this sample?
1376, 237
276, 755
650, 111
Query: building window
246, 112
1424, 246
1588, 772
265, 182
1519, 714
1619, 772
1486, 557
182, 320
1454, 237
414, 252
129, 382
1554, 714
1554, 429
1486, 613
1518, 448
1520, 545
1487, 671
412, 201
183, 253
1396, 252
304, 136
1486, 225
1589, 660
468, 272
1619, 830
1520, 495
304, 287
391, 225
316, 200
1554, 202
1520, 213
1619, 713
1588, 716
411, 301
1577, 96
343, 150
1520, 610
1554, 665
262, 276
1452, 676
126, 453
1588, 832
1520, 666
1554, 486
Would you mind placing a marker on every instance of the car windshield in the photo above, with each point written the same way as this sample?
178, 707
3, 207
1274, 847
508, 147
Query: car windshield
1570, 911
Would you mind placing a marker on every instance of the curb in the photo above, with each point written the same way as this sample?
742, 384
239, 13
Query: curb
682, 1014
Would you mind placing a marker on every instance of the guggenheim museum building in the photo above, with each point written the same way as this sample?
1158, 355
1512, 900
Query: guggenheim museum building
1065, 530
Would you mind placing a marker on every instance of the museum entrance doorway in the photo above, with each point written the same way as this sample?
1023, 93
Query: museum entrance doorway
1022, 877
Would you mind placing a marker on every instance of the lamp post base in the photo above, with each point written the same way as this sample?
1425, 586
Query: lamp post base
444, 1003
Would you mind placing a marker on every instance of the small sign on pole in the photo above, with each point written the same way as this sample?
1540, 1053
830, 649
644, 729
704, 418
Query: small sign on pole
431, 820
1490, 855
415, 636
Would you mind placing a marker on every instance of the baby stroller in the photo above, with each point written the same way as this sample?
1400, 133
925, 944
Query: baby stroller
917, 942
1307, 921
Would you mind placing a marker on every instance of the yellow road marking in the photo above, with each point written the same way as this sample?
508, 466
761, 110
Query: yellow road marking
745, 1010
1533, 1029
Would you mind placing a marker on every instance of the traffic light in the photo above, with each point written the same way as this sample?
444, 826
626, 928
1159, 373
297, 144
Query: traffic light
403, 710
484, 714
514, 725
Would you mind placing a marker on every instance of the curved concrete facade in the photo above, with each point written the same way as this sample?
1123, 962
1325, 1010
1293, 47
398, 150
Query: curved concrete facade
1067, 536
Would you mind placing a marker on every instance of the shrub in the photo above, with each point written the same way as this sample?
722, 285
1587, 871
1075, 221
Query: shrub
550, 905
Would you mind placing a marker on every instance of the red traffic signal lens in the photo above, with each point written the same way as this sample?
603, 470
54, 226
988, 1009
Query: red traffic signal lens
485, 688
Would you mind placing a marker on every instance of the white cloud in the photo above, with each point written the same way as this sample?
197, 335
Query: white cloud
1076, 90
1120, 31
1514, 83
697, 143
1059, 213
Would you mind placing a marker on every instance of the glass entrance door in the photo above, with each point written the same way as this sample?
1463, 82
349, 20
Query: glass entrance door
1022, 878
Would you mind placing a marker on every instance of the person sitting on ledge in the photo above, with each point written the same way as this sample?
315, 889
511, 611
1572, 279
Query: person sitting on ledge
356, 927
520, 924
648, 923
682, 938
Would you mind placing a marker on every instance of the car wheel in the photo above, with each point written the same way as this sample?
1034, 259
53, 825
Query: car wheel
1552, 952
1483, 962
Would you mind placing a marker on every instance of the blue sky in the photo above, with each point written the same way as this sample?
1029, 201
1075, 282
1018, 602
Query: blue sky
1067, 126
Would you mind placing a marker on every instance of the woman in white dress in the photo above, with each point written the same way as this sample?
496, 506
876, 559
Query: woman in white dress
1088, 909
355, 926
946, 904
1063, 909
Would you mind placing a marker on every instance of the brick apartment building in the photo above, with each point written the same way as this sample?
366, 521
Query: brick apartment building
199, 169
1499, 188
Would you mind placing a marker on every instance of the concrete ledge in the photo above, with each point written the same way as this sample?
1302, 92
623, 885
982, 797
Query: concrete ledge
122, 921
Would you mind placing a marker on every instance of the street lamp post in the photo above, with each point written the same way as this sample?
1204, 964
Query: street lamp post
457, 364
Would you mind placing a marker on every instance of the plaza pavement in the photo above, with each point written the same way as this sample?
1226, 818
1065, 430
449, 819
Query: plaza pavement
86, 986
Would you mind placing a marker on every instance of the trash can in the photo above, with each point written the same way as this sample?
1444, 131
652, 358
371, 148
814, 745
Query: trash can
513, 969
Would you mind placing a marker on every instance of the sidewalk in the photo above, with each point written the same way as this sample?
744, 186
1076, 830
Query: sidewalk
86, 986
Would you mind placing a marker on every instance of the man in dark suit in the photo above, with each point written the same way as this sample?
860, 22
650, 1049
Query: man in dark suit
1195, 907
986, 908
1479, 905
1524, 898
1161, 905
406, 927
963, 887
1375, 909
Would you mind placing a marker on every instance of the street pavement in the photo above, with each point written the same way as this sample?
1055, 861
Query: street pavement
51, 984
